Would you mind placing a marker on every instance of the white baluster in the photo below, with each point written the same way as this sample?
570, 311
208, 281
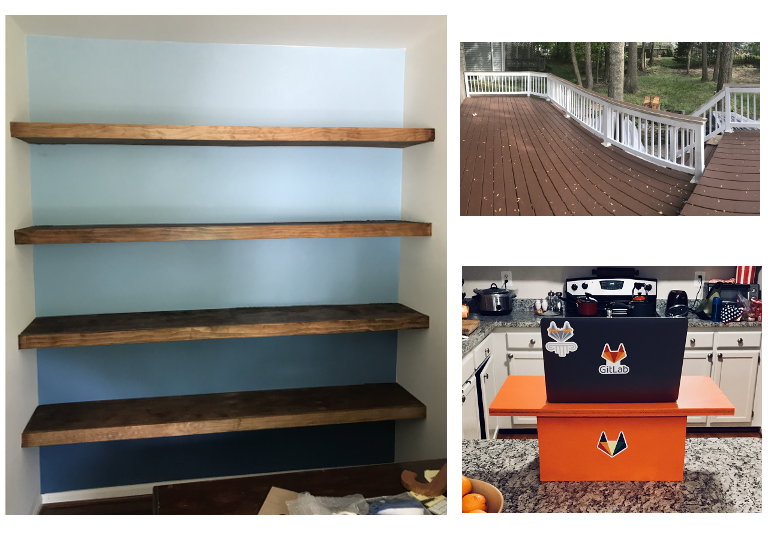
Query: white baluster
698, 168
605, 125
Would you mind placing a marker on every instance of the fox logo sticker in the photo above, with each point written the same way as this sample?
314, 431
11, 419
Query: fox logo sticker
613, 360
612, 448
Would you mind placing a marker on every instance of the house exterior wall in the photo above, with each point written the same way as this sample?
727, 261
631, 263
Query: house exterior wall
462, 70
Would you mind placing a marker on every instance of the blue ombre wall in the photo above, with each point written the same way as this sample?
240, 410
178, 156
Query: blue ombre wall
85, 80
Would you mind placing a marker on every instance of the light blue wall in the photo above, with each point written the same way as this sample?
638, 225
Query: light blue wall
83, 80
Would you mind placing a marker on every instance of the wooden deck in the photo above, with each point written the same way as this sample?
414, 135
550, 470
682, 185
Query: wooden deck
730, 184
521, 156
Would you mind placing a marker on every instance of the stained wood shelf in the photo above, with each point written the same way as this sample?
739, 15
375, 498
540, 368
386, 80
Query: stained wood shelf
73, 133
239, 322
141, 418
210, 232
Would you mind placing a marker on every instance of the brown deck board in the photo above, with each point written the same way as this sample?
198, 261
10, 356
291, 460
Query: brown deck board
730, 184
551, 165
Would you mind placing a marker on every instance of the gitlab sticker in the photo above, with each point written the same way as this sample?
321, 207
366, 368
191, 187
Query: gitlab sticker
613, 361
612, 448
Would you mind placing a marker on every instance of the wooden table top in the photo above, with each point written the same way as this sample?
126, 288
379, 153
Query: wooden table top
526, 395
245, 495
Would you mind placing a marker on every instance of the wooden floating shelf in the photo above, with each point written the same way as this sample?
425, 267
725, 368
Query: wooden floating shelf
71, 133
240, 322
142, 418
211, 232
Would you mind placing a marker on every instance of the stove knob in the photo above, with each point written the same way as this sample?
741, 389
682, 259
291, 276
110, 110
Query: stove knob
574, 287
648, 287
584, 286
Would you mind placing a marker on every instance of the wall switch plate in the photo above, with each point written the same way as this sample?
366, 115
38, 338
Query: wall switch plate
506, 275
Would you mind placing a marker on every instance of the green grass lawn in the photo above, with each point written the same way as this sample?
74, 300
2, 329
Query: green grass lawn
666, 80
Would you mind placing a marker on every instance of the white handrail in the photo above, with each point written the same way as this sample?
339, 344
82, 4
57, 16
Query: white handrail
700, 111
739, 114
663, 138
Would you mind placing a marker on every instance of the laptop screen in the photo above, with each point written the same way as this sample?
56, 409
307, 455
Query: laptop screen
613, 360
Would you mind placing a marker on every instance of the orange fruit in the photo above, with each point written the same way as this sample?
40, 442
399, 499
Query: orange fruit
472, 502
477, 511
466, 486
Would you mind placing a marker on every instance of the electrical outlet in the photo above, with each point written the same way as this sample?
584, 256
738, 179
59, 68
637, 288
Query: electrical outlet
699, 278
506, 275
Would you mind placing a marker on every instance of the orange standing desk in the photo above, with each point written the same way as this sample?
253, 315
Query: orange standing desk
610, 441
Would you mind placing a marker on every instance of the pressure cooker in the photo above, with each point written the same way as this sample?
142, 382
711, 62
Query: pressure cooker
494, 300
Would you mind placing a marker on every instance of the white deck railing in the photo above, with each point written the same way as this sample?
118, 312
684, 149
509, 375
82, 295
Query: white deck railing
663, 138
743, 109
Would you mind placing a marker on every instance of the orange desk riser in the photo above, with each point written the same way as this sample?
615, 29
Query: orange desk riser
610, 441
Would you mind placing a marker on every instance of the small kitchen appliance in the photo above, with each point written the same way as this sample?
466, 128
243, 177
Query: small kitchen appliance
729, 292
677, 304
494, 300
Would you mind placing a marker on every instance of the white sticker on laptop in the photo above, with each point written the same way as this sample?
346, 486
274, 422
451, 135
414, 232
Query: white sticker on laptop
561, 335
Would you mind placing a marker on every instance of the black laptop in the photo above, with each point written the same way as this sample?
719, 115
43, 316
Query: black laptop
613, 360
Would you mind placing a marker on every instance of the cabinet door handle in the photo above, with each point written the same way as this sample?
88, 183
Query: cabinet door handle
693, 342
487, 351
485, 376
533, 341
719, 357
510, 355
709, 357
463, 398
740, 341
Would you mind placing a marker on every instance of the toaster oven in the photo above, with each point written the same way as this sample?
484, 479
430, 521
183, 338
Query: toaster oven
729, 291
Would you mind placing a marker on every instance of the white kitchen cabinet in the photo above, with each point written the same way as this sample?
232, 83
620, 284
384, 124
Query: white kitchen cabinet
698, 361
736, 365
488, 385
517, 352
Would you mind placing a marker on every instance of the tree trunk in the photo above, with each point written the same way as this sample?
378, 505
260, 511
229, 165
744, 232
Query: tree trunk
616, 75
724, 76
588, 64
575, 65
718, 55
688, 68
642, 58
607, 60
704, 73
650, 61
630, 85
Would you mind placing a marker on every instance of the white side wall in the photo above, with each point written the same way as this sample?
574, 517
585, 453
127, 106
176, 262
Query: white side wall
421, 355
22, 466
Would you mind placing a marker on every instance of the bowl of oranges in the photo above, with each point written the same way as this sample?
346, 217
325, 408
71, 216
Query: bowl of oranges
480, 497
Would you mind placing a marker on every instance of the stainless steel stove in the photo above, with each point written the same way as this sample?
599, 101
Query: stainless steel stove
614, 294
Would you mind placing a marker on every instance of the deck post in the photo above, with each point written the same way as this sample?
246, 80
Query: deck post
607, 112
727, 109
549, 88
528, 87
698, 164
466, 85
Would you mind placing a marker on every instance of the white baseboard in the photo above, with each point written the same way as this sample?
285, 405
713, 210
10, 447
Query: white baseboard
37, 505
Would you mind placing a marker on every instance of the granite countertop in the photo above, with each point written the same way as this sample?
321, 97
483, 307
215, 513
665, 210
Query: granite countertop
522, 317
721, 476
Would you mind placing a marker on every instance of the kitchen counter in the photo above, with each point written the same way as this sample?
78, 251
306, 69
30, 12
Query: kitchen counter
522, 317
721, 476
